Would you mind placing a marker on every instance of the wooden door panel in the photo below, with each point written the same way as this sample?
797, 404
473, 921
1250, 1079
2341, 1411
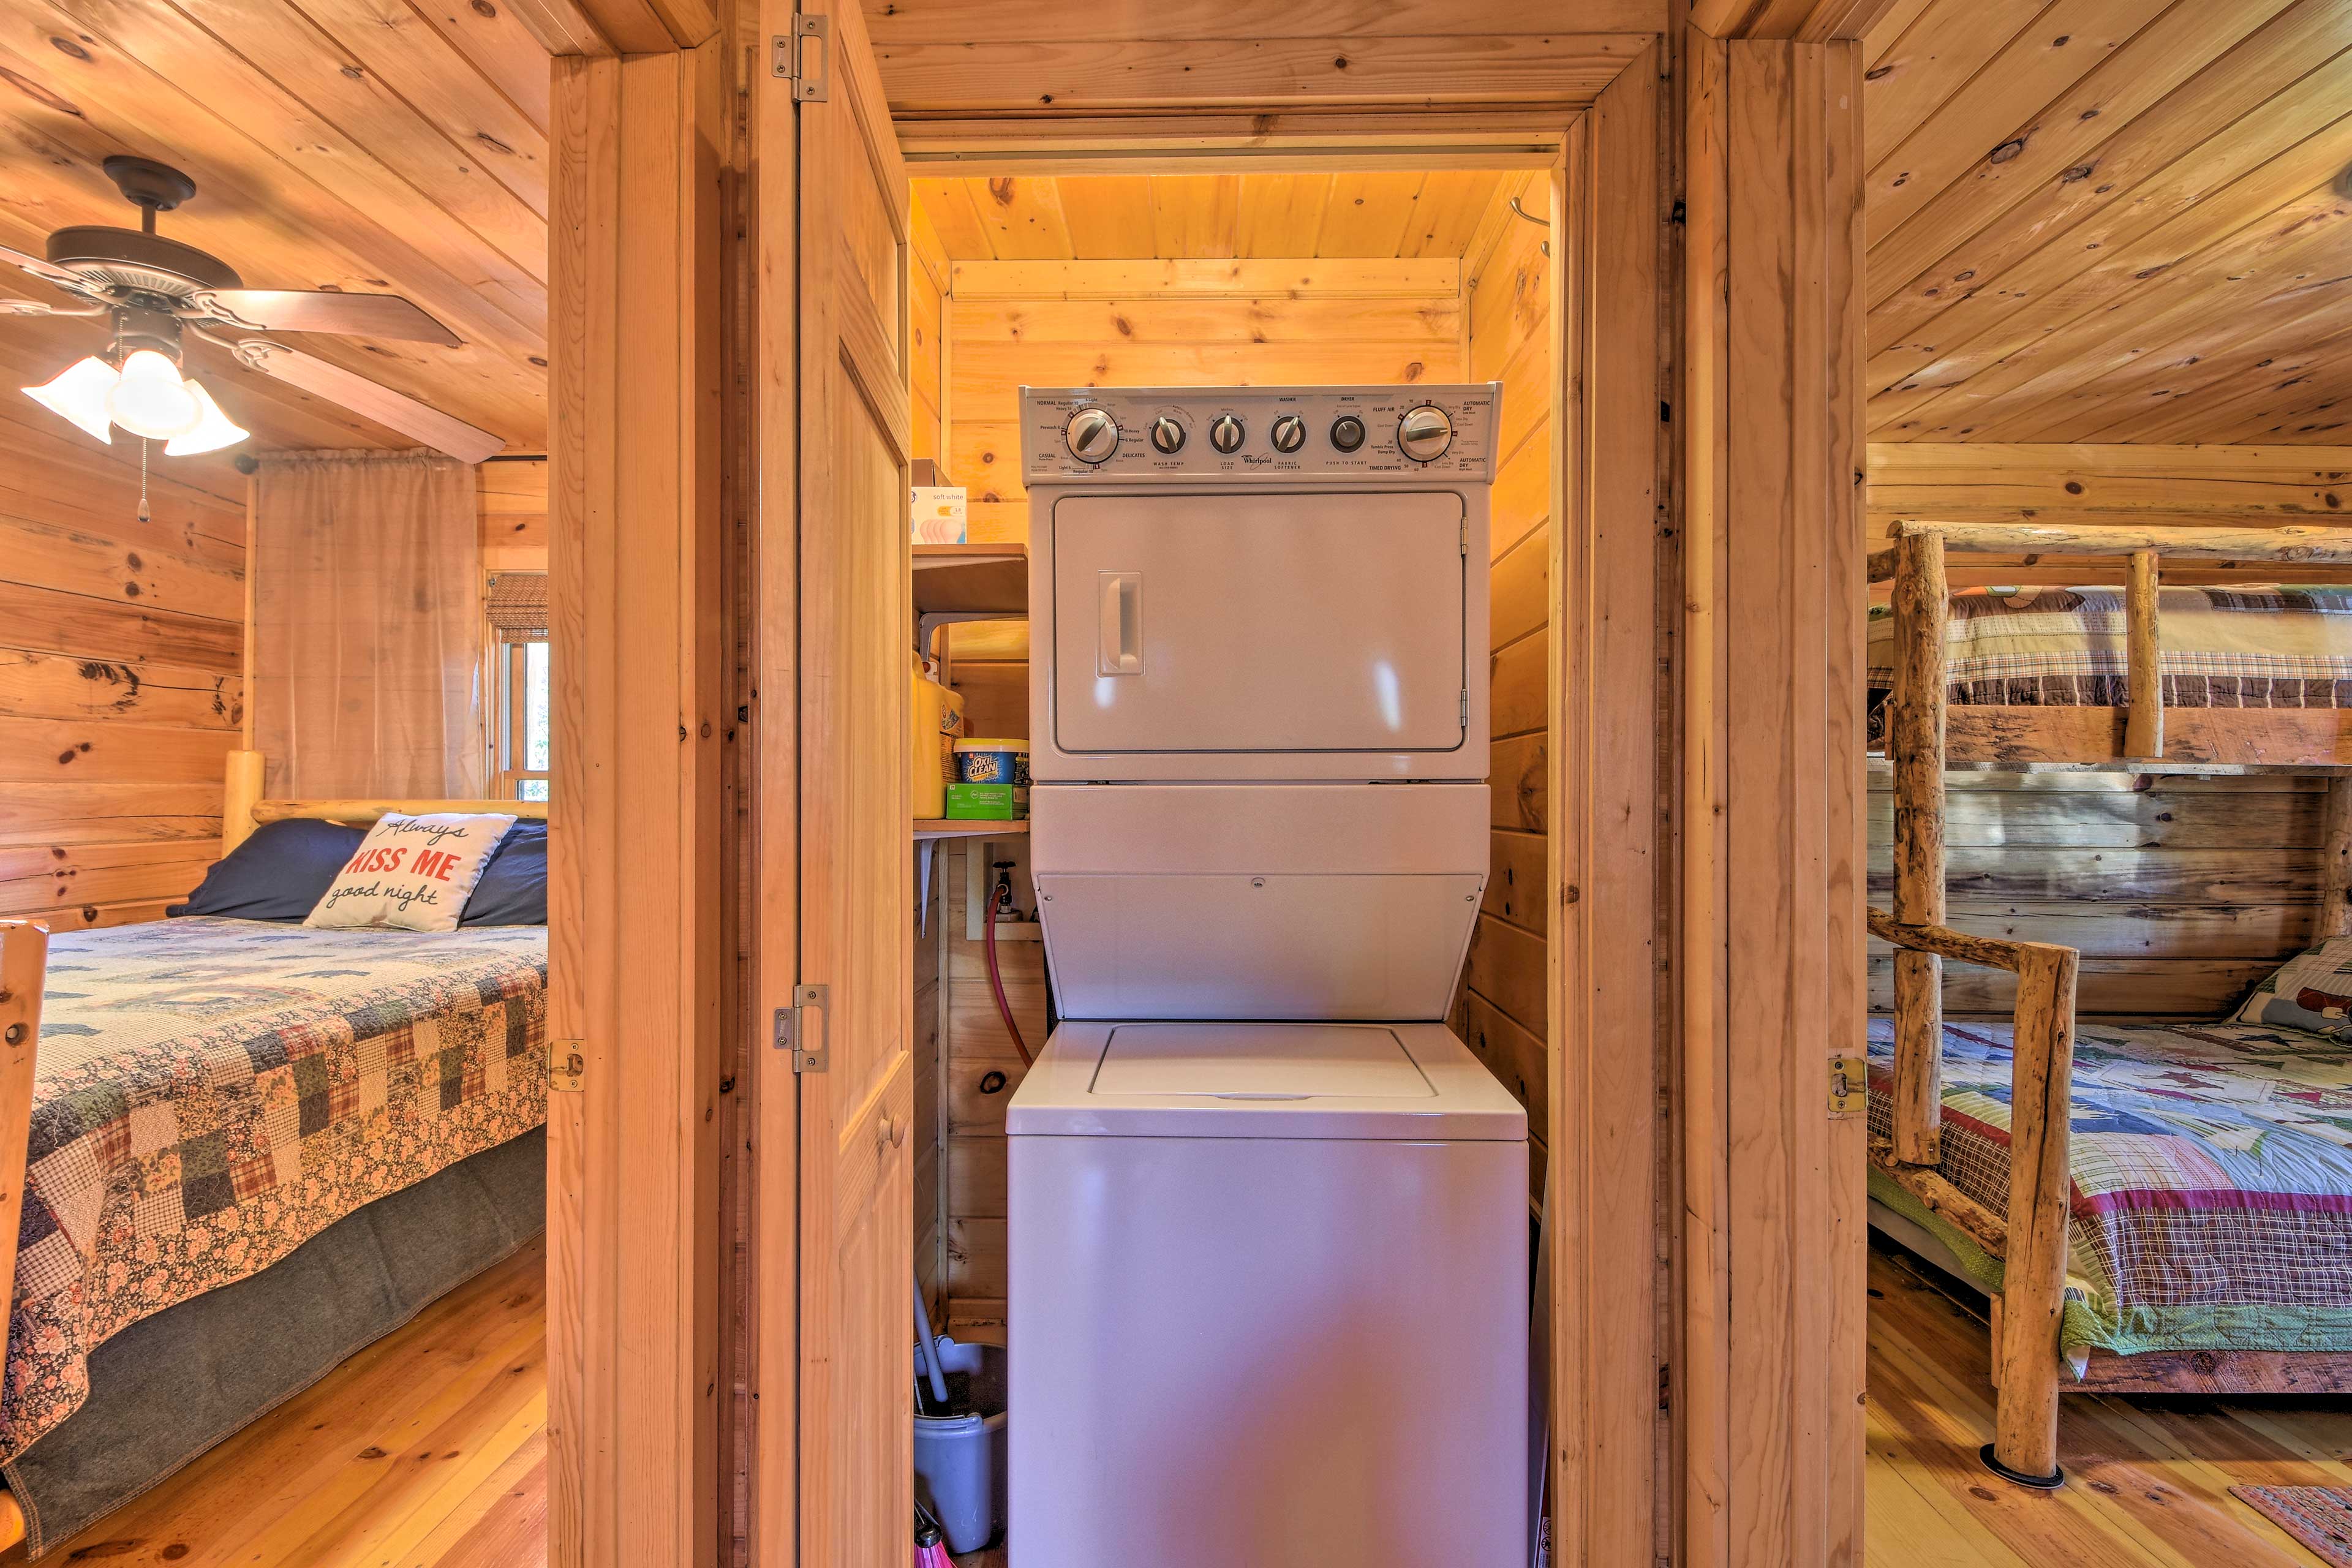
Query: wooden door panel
855, 631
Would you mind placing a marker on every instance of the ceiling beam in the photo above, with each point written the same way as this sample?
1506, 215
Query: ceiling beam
1804, 21
602, 28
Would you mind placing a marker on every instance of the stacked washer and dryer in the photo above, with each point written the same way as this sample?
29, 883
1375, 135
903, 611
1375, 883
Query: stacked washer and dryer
1268, 1215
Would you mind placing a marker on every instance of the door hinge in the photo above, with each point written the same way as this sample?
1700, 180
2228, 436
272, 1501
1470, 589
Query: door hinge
1849, 1086
805, 57
567, 1064
793, 1034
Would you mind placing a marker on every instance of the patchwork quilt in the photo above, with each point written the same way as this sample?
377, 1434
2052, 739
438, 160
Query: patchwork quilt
209, 1094
2212, 1180
2252, 647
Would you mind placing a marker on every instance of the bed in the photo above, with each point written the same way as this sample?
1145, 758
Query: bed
250, 1147
2130, 1238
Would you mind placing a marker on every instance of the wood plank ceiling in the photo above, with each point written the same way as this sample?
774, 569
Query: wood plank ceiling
377, 145
1180, 218
2110, 221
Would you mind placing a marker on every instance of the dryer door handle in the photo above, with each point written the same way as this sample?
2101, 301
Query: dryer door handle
1119, 646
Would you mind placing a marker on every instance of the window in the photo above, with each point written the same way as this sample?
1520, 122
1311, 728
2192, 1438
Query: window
515, 606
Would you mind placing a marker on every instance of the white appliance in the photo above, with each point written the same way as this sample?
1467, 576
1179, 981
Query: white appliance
1268, 1234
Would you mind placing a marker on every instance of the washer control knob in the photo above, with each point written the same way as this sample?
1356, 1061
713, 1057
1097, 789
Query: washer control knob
1424, 433
1289, 433
1225, 434
1346, 432
1167, 434
1092, 434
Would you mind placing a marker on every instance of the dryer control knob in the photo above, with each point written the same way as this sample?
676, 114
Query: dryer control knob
1289, 433
1167, 434
1346, 432
1092, 434
1424, 433
1225, 434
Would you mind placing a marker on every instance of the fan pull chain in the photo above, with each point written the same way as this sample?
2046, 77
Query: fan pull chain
142, 479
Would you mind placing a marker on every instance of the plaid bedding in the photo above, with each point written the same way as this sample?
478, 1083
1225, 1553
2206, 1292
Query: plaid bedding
2255, 646
2212, 1180
209, 1094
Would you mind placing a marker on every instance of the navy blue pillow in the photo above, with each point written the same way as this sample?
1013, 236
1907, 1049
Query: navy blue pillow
513, 889
280, 873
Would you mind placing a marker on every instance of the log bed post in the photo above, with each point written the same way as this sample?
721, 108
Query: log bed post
241, 793
2033, 1272
2336, 862
2144, 719
24, 957
1915, 743
2030, 1238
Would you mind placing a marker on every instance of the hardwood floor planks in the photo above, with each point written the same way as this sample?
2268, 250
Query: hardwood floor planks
2148, 1479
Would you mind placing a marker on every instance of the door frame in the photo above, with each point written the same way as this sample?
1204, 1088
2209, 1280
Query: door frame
1612, 220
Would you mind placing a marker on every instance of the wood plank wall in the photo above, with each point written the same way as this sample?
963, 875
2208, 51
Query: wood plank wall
121, 684
2180, 892
1500, 1010
512, 495
1107, 322
927, 288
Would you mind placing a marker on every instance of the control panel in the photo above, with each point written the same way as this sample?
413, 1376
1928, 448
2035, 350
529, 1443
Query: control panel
1145, 434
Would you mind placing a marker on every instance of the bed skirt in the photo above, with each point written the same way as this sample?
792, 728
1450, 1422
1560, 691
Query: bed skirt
169, 1388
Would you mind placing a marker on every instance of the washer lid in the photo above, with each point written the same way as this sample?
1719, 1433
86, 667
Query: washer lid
1185, 1079
1260, 1061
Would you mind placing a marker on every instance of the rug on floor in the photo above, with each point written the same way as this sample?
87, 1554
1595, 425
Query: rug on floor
2319, 1516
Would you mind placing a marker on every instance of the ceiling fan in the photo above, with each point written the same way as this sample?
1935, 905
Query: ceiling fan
156, 290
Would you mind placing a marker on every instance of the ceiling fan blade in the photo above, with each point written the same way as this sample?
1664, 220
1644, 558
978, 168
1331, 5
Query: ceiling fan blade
47, 271
11, 306
395, 410
324, 311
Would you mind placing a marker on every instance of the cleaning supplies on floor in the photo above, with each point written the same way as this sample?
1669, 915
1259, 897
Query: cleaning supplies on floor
959, 1455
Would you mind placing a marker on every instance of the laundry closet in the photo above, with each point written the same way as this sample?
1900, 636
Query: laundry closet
1302, 279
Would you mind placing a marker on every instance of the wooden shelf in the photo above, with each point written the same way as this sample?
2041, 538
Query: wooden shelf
971, 580
928, 828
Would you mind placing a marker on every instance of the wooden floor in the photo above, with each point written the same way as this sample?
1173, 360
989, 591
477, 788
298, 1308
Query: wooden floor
2148, 1479
425, 1450
428, 1452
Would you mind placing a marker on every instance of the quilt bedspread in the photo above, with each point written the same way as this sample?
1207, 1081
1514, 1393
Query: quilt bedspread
209, 1094
2254, 646
2212, 1179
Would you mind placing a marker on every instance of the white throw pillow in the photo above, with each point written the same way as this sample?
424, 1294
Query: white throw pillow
412, 873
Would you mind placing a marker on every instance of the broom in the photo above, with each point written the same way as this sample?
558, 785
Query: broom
930, 1550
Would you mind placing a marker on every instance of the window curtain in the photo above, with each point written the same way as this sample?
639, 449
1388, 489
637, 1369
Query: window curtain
367, 634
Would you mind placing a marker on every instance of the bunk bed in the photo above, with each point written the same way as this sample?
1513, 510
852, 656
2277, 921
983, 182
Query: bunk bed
247, 1148
1999, 1201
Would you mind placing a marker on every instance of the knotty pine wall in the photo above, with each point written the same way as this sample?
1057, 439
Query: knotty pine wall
1500, 1010
2180, 892
512, 495
1046, 324
121, 644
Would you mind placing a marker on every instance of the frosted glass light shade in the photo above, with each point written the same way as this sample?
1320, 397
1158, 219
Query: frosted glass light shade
79, 391
213, 429
150, 399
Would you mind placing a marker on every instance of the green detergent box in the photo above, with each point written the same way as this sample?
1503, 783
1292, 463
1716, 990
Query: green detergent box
987, 802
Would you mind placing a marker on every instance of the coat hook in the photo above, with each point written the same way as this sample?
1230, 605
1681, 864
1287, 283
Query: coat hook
1538, 222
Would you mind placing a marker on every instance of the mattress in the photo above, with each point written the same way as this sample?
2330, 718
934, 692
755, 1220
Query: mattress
2252, 647
2211, 1195
210, 1094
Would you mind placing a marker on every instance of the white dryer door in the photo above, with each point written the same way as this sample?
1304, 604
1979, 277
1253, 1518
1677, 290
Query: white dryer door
1259, 623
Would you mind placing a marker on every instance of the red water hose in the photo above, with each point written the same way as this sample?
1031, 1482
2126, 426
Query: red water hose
996, 984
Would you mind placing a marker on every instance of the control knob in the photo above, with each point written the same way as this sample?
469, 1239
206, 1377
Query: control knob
1289, 433
1168, 434
1225, 434
1347, 433
1424, 433
1092, 434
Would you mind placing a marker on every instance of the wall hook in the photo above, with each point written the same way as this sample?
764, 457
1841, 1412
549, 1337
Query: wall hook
1540, 222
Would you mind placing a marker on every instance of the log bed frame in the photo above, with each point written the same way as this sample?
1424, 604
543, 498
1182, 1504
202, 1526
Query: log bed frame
1922, 740
24, 958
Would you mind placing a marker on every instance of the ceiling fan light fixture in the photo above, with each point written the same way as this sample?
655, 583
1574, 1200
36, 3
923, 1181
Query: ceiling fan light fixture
213, 429
78, 393
150, 399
